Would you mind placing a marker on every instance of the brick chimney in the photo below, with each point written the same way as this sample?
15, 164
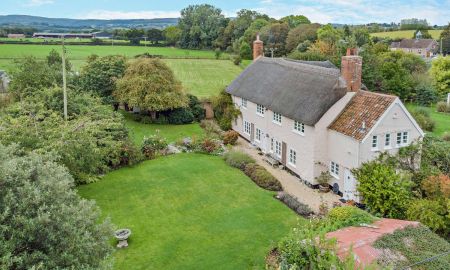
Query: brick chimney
258, 48
351, 69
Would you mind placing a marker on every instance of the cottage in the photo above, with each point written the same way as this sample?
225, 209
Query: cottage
424, 47
313, 117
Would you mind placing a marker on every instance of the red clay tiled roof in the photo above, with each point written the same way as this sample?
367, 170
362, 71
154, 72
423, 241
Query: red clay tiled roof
360, 239
361, 114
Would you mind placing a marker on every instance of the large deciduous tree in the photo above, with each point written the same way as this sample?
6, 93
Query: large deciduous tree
440, 73
155, 35
44, 224
200, 26
150, 85
134, 35
172, 35
295, 20
99, 75
300, 34
274, 37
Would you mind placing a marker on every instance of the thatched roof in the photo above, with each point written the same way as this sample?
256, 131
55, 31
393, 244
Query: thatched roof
299, 90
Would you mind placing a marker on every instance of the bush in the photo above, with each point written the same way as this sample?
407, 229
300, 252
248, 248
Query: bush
230, 137
344, 216
153, 145
324, 178
431, 213
446, 136
196, 108
293, 203
262, 177
442, 107
210, 146
180, 116
161, 120
237, 60
238, 159
424, 120
437, 186
145, 119
224, 110
211, 129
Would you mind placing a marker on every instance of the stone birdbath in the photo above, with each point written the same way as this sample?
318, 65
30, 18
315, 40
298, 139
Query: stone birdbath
122, 235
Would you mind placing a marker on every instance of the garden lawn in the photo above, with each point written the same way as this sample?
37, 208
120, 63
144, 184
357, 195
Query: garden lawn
190, 211
405, 34
442, 119
171, 132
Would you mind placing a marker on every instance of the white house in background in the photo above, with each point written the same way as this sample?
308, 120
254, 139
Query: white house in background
313, 117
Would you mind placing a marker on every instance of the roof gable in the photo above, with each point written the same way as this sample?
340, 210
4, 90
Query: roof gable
361, 114
298, 90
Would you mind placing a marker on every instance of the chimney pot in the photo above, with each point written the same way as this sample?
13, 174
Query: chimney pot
351, 69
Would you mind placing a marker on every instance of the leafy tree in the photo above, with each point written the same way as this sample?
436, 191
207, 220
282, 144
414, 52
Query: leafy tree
383, 190
54, 60
253, 30
300, 34
295, 20
245, 51
434, 214
150, 85
274, 37
243, 21
440, 74
134, 35
329, 34
200, 25
155, 35
445, 40
224, 110
44, 223
362, 36
172, 35
99, 76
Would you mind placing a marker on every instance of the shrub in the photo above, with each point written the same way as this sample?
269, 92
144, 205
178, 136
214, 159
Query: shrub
224, 110
437, 186
161, 120
210, 146
230, 137
344, 216
262, 177
153, 145
431, 213
446, 136
238, 159
237, 60
442, 107
180, 116
293, 203
383, 190
324, 178
145, 119
424, 120
196, 108
211, 129
137, 117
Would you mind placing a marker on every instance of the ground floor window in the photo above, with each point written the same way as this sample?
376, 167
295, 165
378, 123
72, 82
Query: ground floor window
292, 157
334, 169
278, 148
258, 135
247, 127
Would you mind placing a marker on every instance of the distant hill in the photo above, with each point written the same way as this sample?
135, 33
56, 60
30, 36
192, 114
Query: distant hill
49, 24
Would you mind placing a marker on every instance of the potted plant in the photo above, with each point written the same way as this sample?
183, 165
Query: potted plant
324, 181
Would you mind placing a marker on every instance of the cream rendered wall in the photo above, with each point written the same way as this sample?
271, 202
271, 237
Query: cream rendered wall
303, 145
323, 141
396, 120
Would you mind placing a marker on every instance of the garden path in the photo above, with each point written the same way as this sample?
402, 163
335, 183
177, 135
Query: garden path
291, 184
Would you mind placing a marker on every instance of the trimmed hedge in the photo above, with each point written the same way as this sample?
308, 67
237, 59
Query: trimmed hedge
262, 177
293, 203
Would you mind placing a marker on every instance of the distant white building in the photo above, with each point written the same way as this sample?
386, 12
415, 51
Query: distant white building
4, 81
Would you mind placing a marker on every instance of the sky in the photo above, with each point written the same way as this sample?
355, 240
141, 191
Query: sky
321, 11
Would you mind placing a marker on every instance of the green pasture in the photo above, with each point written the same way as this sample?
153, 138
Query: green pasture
405, 34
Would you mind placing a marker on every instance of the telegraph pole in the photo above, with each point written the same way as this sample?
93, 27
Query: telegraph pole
64, 77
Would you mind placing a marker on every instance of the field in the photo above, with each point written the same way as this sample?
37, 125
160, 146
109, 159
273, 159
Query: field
442, 119
405, 34
203, 77
190, 211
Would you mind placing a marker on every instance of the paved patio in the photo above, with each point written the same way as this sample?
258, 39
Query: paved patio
291, 184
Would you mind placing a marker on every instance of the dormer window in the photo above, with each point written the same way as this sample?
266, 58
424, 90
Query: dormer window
260, 110
244, 103
299, 127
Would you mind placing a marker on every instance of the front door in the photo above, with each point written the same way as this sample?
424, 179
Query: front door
349, 186
283, 153
252, 133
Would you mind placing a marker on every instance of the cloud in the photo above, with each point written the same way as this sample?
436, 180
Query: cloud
111, 15
36, 3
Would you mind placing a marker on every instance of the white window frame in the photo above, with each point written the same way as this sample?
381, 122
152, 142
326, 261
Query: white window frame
334, 169
292, 157
245, 125
299, 128
387, 141
405, 138
374, 143
260, 110
258, 135
244, 103
278, 149
276, 118
398, 139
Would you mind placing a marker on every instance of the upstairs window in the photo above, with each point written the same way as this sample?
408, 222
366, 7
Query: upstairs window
374, 142
405, 137
299, 127
399, 139
334, 169
387, 140
244, 103
260, 110
277, 118
402, 138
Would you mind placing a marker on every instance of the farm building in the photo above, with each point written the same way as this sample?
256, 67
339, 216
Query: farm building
59, 35
16, 36
423, 47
